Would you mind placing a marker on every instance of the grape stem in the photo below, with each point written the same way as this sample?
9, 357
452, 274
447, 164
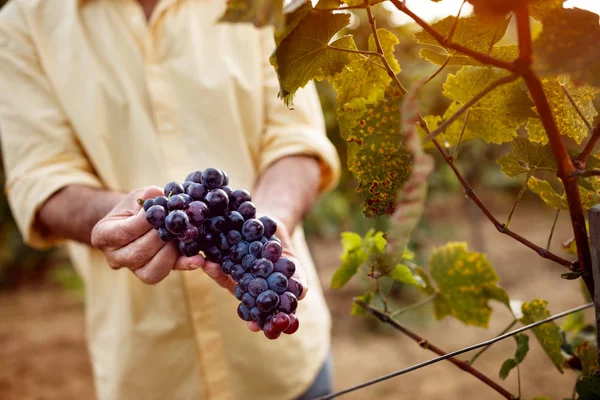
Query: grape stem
576, 107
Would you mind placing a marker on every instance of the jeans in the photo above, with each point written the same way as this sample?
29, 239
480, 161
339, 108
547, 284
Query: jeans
323, 384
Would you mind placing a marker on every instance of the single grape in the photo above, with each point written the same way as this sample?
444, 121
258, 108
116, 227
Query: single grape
195, 176
237, 272
176, 222
255, 248
189, 249
294, 324
263, 240
286, 266
248, 300
241, 196
270, 332
176, 202
233, 237
165, 235
197, 211
187, 199
213, 254
161, 201
235, 221
173, 188
257, 286
252, 230
218, 224
212, 178
288, 302
186, 185
280, 321
156, 216
272, 251
227, 190
247, 261
262, 268
270, 226
244, 313
226, 266
223, 243
274, 239
217, 201
267, 301
196, 191
238, 251
260, 317
147, 204
245, 280
247, 209
295, 287
277, 282
189, 235
210, 238
225, 178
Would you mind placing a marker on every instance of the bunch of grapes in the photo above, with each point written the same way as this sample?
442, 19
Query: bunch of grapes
205, 215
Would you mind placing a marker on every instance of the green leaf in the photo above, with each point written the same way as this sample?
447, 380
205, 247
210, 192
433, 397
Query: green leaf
258, 12
569, 44
378, 156
548, 334
438, 56
507, 366
520, 353
588, 355
526, 157
353, 256
304, 54
359, 310
466, 282
574, 322
496, 117
470, 32
546, 192
374, 242
588, 387
567, 119
405, 275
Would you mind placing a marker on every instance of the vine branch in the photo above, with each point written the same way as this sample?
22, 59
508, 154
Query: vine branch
589, 148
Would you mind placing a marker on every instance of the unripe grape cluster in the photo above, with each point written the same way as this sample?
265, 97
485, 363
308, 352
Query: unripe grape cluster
204, 215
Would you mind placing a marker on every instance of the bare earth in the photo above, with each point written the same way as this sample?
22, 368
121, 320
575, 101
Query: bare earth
43, 354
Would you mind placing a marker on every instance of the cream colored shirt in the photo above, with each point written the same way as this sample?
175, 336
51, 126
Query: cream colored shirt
93, 94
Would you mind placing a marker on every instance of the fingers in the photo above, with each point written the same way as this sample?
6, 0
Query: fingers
189, 263
214, 271
253, 326
159, 267
137, 253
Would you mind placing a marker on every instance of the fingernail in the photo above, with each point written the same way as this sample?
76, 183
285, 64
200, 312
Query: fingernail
194, 266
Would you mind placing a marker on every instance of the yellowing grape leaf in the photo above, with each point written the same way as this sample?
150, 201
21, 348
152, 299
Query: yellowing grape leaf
526, 157
496, 117
405, 275
470, 32
466, 283
548, 334
540, 9
494, 8
359, 310
354, 3
521, 352
258, 12
588, 355
353, 256
439, 55
574, 322
304, 54
567, 119
569, 44
547, 193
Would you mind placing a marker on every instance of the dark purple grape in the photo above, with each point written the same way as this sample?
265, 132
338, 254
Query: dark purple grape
257, 286
173, 188
280, 321
187, 199
156, 216
238, 292
213, 254
241, 196
227, 190
247, 261
165, 235
235, 221
295, 287
237, 271
272, 251
270, 226
189, 249
212, 178
277, 282
233, 237
255, 248
223, 244
262, 268
244, 313
253, 230
210, 238
288, 302
189, 235
176, 222
225, 178
245, 280
294, 324
260, 317
274, 239
263, 240
267, 301
238, 251
286, 266
161, 201
176, 202
147, 204
247, 209
196, 191
226, 266
197, 212
186, 185
217, 201
218, 224
248, 300
195, 176
270, 332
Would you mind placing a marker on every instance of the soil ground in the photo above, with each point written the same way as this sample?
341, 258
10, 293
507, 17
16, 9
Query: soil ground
43, 354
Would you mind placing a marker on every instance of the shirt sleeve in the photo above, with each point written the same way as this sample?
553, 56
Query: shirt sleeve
300, 131
40, 151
